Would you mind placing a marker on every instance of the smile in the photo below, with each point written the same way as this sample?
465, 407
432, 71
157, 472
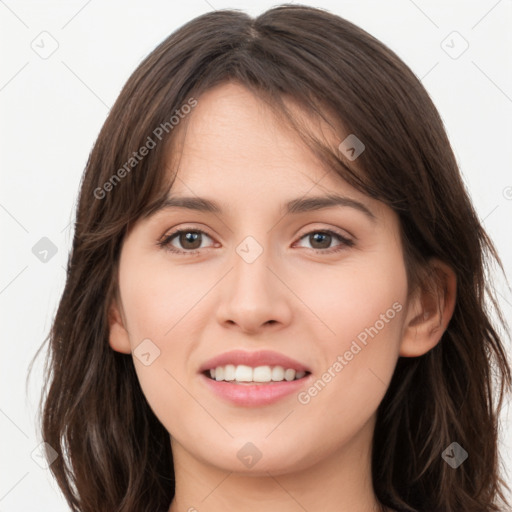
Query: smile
261, 374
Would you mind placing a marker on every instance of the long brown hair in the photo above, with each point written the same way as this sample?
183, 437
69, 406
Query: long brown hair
114, 454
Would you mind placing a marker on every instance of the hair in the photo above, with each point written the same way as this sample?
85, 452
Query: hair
114, 454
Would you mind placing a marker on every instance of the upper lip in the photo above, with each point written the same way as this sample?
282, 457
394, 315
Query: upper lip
253, 359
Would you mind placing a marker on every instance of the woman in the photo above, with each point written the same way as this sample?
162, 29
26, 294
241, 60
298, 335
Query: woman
323, 343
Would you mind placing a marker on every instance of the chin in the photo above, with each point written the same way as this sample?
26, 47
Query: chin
257, 456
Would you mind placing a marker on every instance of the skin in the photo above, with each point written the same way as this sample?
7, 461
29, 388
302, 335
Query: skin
307, 305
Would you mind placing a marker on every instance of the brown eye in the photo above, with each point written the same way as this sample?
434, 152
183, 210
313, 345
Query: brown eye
320, 241
188, 240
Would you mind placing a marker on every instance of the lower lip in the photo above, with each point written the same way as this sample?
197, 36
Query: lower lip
254, 395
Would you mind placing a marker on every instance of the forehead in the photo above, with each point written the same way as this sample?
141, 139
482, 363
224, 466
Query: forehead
234, 140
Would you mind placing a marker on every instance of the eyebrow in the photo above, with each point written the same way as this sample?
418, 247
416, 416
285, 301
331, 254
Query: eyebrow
299, 205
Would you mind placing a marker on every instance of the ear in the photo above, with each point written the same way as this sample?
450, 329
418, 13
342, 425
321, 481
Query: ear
429, 311
119, 339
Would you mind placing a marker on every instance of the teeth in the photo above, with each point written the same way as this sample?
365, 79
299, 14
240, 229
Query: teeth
277, 373
243, 373
262, 374
229, 372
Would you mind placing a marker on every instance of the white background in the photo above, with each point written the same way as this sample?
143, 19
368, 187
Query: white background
52, 110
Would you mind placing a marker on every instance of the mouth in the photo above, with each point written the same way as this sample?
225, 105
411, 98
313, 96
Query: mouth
254, 379
246, 375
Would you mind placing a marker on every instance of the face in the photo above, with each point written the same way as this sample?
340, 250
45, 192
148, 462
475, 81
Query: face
256, 292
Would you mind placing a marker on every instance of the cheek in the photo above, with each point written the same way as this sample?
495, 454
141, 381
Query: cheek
354, 295
362, 304
163, 307
157, 301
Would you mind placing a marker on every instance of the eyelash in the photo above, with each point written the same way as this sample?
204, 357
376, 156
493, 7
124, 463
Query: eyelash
165, 243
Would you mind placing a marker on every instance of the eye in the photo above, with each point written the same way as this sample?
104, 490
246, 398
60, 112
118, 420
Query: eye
321, 240
190, 241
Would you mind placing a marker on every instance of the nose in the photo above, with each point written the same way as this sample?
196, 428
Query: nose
254, 295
